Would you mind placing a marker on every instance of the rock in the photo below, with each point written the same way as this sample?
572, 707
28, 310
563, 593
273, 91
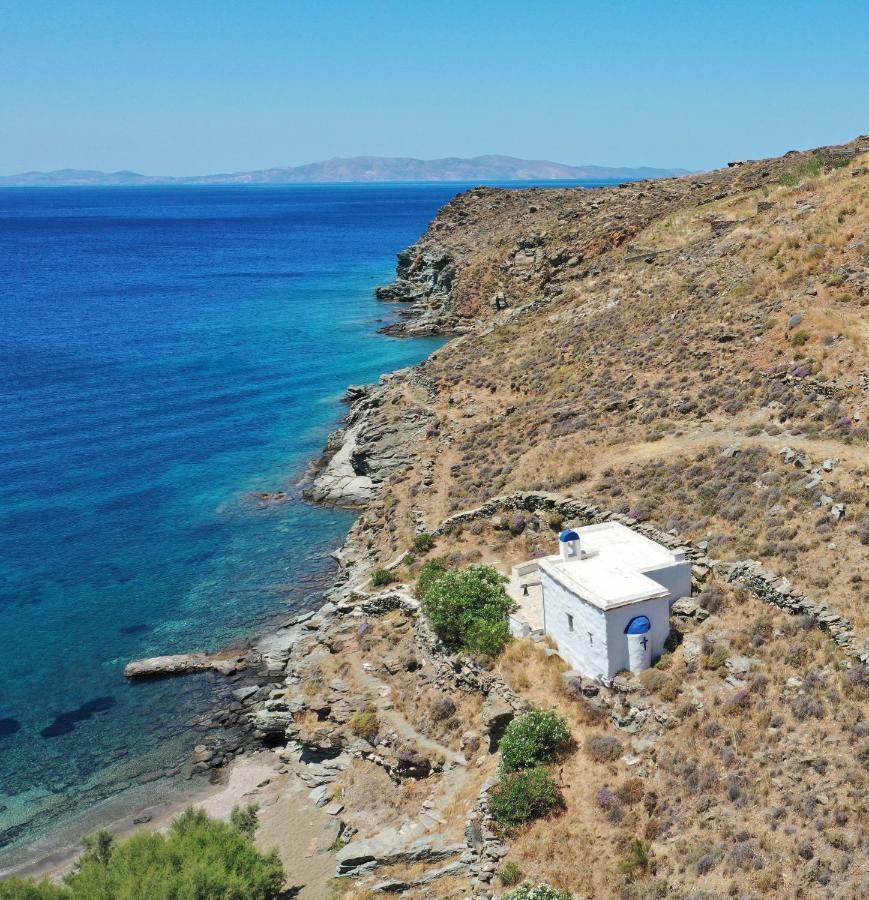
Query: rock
180, 664
828, 464
497, 715
740, 665
837, 511
692, 647
576, 683
241, 694
626, 683
794, 320
684, 607
389, 848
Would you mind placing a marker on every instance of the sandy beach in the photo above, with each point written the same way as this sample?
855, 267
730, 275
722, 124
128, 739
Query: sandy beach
289, 822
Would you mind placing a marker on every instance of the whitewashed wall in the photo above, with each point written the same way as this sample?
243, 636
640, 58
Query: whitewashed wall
676, 578
589, 656
658, 612
605, 652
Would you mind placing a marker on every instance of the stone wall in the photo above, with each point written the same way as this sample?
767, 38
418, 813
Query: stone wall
765, 584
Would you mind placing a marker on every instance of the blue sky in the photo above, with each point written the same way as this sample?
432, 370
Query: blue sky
189, 87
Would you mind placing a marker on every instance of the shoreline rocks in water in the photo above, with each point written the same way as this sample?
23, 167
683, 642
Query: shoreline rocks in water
360, 456
182, 664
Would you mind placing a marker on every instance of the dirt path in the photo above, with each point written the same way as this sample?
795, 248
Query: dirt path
386, 712
299, 832
816, 448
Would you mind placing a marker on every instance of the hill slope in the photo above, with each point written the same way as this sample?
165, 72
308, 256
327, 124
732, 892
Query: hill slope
691, 354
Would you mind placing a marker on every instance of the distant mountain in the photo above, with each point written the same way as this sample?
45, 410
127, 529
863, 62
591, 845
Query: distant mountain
361, 169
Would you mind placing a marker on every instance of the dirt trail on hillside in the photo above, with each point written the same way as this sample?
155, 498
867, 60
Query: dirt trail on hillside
817, 449
388, 713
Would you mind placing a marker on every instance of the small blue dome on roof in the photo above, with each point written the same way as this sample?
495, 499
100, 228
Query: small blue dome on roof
569, 535
638, 625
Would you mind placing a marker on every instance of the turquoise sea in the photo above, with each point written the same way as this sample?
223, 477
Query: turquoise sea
164, 353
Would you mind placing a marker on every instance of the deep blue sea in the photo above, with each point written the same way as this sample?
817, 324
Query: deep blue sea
164, 353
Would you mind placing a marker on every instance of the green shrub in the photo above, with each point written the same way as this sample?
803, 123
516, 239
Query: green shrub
468, 609
522, 796
199, 858
538, 736
808, 168
637, 861
798, 338
16, 888
431, 570
422, 543
510, 874
380, 577
244, 818
538, 892
364, 723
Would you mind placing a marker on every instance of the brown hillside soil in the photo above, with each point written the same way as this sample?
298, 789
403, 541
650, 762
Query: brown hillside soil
620, 375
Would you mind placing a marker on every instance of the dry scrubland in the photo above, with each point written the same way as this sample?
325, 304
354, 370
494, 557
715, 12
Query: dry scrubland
657, 347
626, 381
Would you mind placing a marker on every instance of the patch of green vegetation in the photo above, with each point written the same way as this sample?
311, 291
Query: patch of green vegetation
520, 797
509, 874
638, 859
808, 168
538, 736
365, 724
380, 577
538, 892
431, 570
199, 858
468, 609
798, 338
422, 543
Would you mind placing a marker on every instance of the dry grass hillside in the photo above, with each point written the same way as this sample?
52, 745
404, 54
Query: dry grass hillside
621, 379
692, 353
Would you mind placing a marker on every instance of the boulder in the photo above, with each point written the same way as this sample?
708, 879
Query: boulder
576, 683
161, 666
497, 715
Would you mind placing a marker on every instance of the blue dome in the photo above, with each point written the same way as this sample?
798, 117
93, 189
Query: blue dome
638, 625
569, 535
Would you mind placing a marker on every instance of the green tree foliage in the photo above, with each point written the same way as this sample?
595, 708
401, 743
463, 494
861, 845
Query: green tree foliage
522, 796
538, 736
244, 818
431, 570
468, 609
16, 888
200, 859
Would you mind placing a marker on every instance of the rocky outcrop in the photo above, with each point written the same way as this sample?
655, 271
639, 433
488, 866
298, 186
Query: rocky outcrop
182, 664
373, 443
391, 847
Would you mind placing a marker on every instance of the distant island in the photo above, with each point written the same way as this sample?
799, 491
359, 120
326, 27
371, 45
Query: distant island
478, 169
